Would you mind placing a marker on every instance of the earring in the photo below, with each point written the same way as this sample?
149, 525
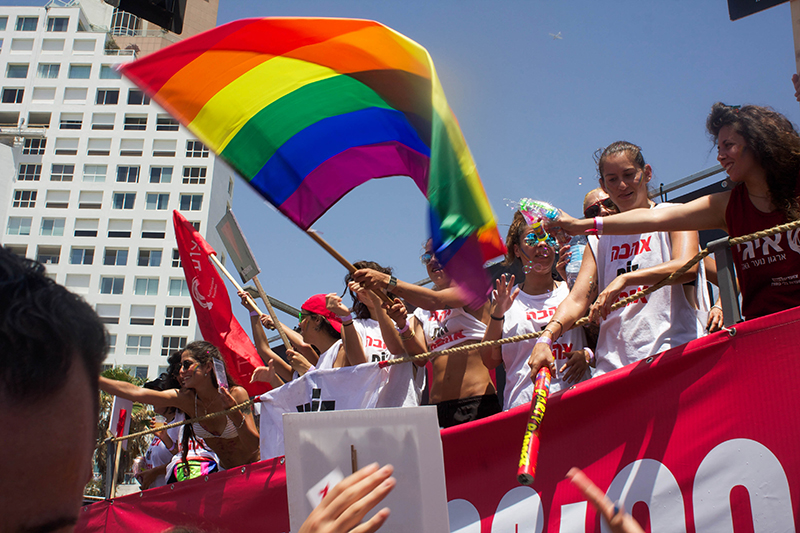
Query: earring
206, 373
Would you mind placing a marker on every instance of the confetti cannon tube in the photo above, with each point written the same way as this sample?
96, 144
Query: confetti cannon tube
530, 442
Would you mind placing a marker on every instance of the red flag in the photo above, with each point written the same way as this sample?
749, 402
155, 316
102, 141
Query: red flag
213, 307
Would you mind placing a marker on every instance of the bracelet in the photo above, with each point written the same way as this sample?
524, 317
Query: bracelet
346, 318
408, 336
545, 340
392, 283
716, 307
401, 331
171, 449
597, 226
348, 323
498, 318
255, 313
589, 355
241, 423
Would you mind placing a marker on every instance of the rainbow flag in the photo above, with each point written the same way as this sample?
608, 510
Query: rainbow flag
306, 109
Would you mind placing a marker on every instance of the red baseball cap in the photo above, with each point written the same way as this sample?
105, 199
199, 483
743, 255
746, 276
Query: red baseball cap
316, 305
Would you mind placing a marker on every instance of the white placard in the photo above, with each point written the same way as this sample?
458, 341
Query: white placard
317, 444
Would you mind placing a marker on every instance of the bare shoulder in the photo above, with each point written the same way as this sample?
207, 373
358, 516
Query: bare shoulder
239, 393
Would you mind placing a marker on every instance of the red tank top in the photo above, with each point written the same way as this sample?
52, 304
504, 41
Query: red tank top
768, 269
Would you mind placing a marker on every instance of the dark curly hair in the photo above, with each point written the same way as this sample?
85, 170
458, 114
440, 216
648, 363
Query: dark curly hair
775, 145
359, 308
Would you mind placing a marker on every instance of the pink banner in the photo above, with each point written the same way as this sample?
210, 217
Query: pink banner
689, 440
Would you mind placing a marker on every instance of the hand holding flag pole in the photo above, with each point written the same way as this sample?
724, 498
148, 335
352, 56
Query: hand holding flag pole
260, 289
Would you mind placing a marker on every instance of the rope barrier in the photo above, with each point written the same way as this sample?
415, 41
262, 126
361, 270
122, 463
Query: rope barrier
237, 407
621, 303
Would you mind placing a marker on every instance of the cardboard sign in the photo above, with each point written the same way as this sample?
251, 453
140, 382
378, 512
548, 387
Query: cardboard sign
318, 455
120, 423
237, 247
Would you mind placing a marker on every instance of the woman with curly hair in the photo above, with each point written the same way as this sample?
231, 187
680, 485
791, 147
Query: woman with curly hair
760, 150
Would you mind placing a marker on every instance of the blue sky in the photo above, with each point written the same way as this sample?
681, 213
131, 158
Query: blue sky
533, 110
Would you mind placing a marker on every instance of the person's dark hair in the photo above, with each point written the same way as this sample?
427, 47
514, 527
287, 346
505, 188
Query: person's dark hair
619, 147
359, 308
174, 365
162, 383
514, 237
323, 324
775, 145
44, 329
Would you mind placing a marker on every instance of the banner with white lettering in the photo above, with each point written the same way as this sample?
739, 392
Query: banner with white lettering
700, 438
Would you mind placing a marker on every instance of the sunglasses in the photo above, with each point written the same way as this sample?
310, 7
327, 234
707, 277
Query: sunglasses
594, 209
427, 257
301, 315
186, 365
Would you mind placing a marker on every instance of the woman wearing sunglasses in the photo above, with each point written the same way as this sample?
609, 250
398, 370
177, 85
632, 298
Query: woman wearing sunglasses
615, 267
527, 308
460, 384
234, 438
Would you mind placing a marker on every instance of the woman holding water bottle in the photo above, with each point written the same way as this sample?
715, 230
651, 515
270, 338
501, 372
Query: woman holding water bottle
615, 267
527, 308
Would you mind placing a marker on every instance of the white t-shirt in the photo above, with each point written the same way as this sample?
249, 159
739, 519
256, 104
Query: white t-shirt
328, 357
659, 321
372, 339
447, 328
529, 314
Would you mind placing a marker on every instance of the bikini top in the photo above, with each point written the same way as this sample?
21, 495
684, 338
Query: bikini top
229, 432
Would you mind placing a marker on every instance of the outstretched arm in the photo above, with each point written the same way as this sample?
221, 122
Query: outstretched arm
418, 296
261, 342
706, 212
129, 391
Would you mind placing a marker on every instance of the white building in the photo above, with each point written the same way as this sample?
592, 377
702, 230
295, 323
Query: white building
91, 171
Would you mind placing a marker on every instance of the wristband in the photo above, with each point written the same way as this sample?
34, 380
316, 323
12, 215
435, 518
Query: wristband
255, 313
597, 226
172, 448
348, 318
498, 318
545, 340
716, 307
405, 328
392, 283
589, 355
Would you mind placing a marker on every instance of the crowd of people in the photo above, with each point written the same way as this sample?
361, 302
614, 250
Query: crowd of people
632, 244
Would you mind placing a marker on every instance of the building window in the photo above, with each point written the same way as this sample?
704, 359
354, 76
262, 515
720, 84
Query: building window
27, 23
90, 200
164, 147
178, 287
48, 255
98, 147
53, 227
146, 287
109, 285
48, 70
138, 345
116, 257
108, 72
109, 314
143, 315
94, 173
103, 121
194, 175
196, 149
170, 344
79, 72
128, 174
60, 172
107, 96
166, 123
137, 97
81, 256
3, 23
154, 229
13, 96
123, 23
149, 258
136, 371
24, 199
191, 202
86, 227
34, 146
112, 343
156, 201
176, 259
66, 146
177, 316
160, 174
29, 172
123, 200
19, 226
58, 24
119, 229
135, 123
131, 147
17, 71
71, 121
57, 199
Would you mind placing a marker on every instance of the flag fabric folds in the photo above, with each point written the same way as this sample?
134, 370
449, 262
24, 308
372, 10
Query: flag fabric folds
363, 386
306, 109
213, 307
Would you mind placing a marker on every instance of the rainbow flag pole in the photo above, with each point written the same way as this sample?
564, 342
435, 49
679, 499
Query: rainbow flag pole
306, 109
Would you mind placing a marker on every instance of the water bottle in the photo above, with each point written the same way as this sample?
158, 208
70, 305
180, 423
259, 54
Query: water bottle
576, 246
